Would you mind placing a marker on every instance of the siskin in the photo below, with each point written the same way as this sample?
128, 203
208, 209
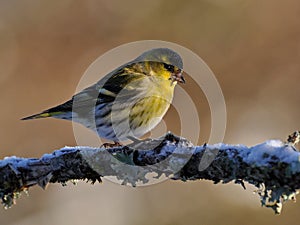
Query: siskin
129, 101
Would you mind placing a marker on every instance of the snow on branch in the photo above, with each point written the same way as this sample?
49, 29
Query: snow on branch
273, 166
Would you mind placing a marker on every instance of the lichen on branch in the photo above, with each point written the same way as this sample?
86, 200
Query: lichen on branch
273, 166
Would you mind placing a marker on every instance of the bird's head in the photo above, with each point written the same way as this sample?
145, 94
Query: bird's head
164, 63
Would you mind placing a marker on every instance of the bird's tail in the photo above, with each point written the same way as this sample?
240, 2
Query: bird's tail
44, 114
63, 111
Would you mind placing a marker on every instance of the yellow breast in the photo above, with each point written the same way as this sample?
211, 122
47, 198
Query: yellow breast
149, 110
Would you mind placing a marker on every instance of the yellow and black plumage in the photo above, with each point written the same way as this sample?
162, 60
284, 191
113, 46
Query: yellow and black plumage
127, 102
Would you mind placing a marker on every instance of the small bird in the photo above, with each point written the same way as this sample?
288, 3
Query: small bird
127, 102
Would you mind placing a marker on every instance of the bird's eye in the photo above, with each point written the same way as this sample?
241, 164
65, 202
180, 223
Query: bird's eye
169, 67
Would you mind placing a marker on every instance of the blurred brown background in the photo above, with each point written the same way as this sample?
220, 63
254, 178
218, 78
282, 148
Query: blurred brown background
253, 47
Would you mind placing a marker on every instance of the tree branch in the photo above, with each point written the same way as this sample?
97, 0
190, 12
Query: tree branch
273, 167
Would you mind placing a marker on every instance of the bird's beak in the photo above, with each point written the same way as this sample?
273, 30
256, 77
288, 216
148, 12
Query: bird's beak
177, 76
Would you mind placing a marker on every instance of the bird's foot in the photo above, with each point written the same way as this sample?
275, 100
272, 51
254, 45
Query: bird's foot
111, 145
